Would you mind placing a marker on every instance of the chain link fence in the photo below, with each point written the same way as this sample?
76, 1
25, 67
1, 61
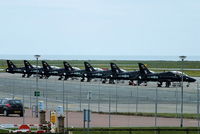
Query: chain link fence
106, 98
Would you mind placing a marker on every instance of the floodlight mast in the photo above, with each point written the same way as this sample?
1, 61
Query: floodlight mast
182, 60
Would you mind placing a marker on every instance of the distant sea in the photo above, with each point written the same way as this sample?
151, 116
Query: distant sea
97, 57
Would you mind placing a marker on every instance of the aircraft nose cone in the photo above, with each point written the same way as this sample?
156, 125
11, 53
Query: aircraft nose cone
189, 79
192, 79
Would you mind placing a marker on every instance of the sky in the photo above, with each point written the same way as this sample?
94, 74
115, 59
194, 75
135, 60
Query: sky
100, 27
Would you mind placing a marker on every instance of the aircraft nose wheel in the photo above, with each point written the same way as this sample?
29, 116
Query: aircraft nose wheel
159, 84
168, 84
104, 81
130, 83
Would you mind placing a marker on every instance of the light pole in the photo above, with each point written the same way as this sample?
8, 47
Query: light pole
37, 56
182, 59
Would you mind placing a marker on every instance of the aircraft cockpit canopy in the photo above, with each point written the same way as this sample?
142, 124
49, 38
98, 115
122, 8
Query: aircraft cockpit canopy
123, 70
36, 66
98, 69
179, 73
76, 68
55, 67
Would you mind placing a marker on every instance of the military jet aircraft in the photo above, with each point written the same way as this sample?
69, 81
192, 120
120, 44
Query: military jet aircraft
52, 71
30, 69
167, 77
71, 72
91, 73
13, 69
120, 74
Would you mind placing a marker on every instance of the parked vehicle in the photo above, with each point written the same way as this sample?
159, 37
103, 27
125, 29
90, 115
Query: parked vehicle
11, 106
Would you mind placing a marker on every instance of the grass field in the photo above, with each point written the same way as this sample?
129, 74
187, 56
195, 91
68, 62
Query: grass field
3, 131
127, 65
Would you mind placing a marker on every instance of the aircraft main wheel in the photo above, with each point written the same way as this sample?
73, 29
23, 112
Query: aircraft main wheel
130, 83
110, 81
60, 78
167, 84
159, 84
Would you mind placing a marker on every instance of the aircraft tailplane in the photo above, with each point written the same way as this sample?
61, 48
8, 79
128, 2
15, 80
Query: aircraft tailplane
67, 66
46, 65
27, 65
143, 69
88, 67
10, 64
115, 68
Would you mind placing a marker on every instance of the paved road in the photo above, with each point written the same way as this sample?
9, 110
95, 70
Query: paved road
75, 119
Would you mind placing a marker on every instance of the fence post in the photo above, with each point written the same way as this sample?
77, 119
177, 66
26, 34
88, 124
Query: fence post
198, 104
80, 99
156, 107
116, 93
130, 132
158, 131
99, 99
136, 101
187, 131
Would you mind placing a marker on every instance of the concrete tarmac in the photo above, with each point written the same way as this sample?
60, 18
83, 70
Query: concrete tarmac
72, 94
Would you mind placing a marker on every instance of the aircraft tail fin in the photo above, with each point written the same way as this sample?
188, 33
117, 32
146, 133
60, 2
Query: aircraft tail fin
67, 66
27, 64
46, 66
10, 64
88, 67
115, 68
143, 69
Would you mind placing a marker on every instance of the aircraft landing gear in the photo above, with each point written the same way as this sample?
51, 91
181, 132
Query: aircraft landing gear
88, 79
82, 80
23, 75
188, 85
139, 82
104, 81
60, 78
111, 81
65, 78
159, 84
145, 83
132, 83
168, 84
28, 75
